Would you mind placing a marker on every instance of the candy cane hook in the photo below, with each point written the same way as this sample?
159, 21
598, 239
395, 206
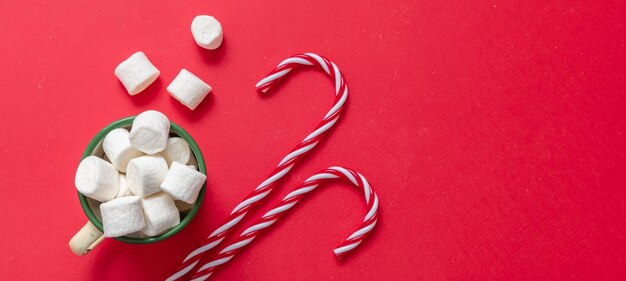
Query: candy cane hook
210, 264
285, 165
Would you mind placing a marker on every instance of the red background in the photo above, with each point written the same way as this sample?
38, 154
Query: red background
493, 132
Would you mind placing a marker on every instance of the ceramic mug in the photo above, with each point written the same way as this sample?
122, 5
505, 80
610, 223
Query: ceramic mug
91, 234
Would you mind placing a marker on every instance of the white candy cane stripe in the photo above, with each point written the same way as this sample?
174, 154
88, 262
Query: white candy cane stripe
280, 209
297, 152
182, 272
262, 225
209, 264
300, 191
202, 249
285, 165
343, 249
251, 200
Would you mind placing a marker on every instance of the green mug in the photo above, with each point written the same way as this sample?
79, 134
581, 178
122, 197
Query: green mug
91, 234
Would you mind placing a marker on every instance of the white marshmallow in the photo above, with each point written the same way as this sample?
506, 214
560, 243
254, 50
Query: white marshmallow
183, 206
144, 174
97, 179
176, 150
150, 132
207, 32
118, 149
136, 73
124, 191
183, 183
188, 89
122, 216
160, 213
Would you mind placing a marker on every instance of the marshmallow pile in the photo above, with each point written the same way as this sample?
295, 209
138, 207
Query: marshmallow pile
147, 180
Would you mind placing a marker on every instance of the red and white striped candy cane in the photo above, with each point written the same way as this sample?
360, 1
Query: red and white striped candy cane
285, 165
209, 264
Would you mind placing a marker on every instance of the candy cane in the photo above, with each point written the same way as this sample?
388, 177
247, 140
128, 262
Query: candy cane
285, 165
210, 264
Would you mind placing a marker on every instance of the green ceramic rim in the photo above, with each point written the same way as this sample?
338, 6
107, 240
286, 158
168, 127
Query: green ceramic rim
190, 215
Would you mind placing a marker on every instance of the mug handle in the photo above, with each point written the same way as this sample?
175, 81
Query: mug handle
86, 239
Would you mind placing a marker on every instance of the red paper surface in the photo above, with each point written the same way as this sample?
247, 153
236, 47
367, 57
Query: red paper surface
492, 131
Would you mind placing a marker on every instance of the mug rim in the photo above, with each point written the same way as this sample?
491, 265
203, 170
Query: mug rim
95, 141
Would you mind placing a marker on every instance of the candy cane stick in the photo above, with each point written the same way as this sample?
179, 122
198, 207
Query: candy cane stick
285, 165
209, 264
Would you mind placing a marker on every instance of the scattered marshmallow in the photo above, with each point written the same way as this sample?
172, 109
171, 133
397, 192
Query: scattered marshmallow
122, 216
188, 89
176, 150
160, 213
118, 149
207, 32
183, 206
124, 191
136, 73
183, 183
144, 174
150, 132
97, 179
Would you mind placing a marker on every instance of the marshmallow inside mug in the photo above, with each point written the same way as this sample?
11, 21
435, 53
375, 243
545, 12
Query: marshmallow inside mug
92, 207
